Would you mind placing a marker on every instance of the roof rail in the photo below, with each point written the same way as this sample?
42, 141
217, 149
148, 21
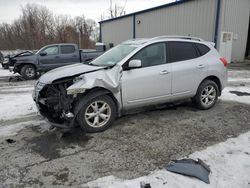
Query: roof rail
178, 37
136, 39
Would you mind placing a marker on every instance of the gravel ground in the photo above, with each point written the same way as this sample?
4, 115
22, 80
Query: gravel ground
134, 146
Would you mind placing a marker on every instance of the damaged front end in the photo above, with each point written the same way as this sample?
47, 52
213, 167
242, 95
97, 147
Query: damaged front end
53, 102
56, 100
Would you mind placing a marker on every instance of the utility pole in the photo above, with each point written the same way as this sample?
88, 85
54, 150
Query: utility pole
79, 38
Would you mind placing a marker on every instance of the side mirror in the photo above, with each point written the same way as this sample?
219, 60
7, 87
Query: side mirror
43, 53
135, 63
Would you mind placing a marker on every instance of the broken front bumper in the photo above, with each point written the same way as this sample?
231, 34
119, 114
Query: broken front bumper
53, 104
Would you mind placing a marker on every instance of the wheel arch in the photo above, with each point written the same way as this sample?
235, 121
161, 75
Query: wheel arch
19, 66
99, 91
216, 80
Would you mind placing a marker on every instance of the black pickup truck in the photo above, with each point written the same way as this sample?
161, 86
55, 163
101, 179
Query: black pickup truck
50, 57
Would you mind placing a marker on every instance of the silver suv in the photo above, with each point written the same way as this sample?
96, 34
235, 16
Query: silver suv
134, 74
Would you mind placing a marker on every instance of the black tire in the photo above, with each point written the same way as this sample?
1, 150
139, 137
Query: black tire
28, 72
197, 99
83, 106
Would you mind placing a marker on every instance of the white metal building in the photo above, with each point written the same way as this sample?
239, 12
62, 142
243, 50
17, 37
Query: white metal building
225, 22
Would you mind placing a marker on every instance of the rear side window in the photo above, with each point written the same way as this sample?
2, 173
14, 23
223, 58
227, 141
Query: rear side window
203, 49
67, 49
181, 51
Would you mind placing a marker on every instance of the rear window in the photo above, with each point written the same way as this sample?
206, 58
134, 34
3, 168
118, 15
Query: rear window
203, 49
181, 51
67, 49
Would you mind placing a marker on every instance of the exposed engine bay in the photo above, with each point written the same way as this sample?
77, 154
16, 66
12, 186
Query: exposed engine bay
54, 103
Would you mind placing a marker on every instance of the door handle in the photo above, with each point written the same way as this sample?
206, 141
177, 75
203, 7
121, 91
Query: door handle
164, 72
201, 66
74, 55
57, 57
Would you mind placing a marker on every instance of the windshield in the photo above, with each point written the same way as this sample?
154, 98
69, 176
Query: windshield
114, 55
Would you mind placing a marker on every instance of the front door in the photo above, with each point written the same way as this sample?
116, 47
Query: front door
150, 84
51, 58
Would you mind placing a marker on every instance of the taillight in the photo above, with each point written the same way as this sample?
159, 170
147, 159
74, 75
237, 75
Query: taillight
224, 61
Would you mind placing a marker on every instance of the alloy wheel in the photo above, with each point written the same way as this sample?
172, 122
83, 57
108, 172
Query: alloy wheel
97, 114
30, 72
208, 95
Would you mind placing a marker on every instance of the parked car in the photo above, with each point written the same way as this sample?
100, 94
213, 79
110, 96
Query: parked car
134, 74
28, 64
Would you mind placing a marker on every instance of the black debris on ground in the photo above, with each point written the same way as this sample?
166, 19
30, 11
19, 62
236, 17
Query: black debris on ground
10, 141
190, 167
16, 78
145, 185
239, 93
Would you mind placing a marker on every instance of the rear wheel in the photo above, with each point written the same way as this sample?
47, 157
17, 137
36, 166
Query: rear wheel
96, 114
28, 72
207, 95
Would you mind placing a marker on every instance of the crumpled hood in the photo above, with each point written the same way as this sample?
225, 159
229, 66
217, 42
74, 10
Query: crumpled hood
22, 54
67, 71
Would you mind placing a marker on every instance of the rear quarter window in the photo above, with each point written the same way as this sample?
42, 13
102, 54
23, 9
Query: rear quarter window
203, 49
181, 51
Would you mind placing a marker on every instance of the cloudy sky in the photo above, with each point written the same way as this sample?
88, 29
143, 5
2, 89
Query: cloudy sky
11, 9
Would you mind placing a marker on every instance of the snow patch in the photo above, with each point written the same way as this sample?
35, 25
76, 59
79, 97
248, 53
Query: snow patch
228, 96
6, 72
16, 105
239, 80
17, 89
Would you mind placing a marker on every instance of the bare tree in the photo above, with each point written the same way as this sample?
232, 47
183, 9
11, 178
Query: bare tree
116, 10
86, 29
37, 26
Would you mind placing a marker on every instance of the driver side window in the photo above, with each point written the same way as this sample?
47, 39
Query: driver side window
152, 55
53, 50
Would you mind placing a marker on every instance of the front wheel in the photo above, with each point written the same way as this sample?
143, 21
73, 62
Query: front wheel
207, 95
97, 114
28, 72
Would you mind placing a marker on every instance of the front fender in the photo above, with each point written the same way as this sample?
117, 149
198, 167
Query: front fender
19, 63
105, 79
26, 60
109, 79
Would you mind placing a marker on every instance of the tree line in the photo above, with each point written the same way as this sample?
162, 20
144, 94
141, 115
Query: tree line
38, 26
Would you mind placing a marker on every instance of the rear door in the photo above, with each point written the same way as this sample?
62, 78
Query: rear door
69, 54
150, 84
188, 68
